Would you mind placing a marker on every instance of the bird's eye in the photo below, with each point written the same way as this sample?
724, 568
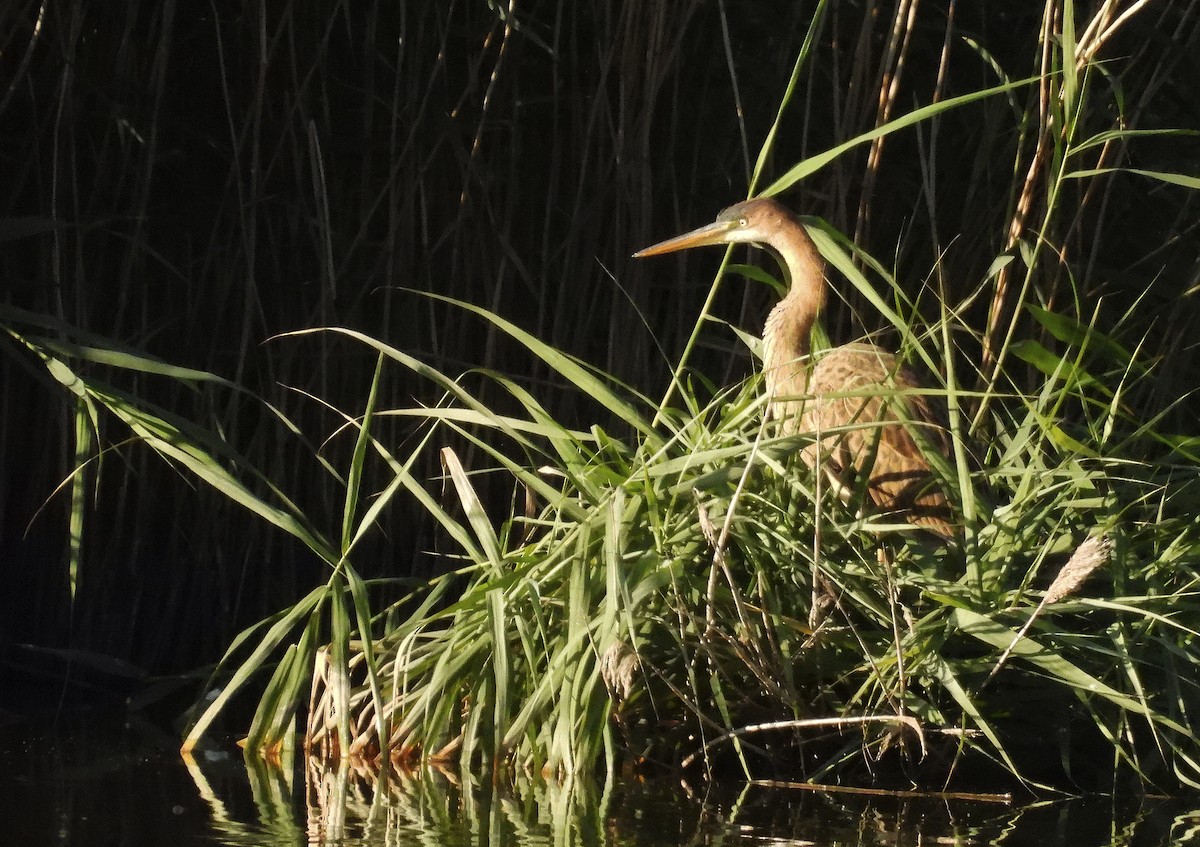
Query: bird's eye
743, 222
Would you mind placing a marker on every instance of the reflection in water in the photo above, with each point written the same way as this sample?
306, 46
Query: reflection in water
361, 806
116, 783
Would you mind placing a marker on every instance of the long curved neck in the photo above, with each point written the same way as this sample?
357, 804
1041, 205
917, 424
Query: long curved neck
786, 337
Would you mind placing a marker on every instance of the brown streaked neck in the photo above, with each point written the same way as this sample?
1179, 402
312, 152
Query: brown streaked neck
786, 337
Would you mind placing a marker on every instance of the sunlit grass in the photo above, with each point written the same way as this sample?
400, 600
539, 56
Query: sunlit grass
689, 550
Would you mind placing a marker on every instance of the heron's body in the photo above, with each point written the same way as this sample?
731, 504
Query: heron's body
865, 411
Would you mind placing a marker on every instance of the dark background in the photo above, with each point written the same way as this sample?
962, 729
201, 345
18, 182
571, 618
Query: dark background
191, 179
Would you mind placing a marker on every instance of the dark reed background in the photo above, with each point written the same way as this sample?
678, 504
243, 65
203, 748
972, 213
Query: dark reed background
191, 179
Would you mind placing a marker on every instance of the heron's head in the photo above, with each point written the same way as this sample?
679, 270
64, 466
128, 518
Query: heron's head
750, 222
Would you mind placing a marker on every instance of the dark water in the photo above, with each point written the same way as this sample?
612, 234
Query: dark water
119, 783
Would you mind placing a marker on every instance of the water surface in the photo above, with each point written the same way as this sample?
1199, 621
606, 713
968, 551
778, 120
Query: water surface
103, 782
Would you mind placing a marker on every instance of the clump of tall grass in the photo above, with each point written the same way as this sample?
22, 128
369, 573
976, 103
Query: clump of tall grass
657, 604
683, 592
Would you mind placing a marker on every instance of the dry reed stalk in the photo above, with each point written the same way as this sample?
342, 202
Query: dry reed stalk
1091, 555
1052, 133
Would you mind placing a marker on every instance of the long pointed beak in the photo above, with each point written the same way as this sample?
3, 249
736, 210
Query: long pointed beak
714, 233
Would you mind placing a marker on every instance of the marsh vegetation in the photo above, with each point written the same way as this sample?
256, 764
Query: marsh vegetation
336, 316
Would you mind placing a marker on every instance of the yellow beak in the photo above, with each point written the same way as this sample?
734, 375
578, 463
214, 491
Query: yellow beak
714, 233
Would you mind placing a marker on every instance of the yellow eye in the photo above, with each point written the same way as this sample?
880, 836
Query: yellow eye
743, 222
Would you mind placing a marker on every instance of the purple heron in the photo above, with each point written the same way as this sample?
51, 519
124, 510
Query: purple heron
867, 413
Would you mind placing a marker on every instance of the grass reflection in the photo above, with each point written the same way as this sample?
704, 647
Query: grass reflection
345, 804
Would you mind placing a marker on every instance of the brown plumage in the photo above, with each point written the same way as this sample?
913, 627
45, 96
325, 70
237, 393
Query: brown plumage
864, 409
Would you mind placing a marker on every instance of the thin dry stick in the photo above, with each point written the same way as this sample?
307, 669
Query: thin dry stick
884, 792
808, 723
889, 84
477, 142
1016, 224
1100, 29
